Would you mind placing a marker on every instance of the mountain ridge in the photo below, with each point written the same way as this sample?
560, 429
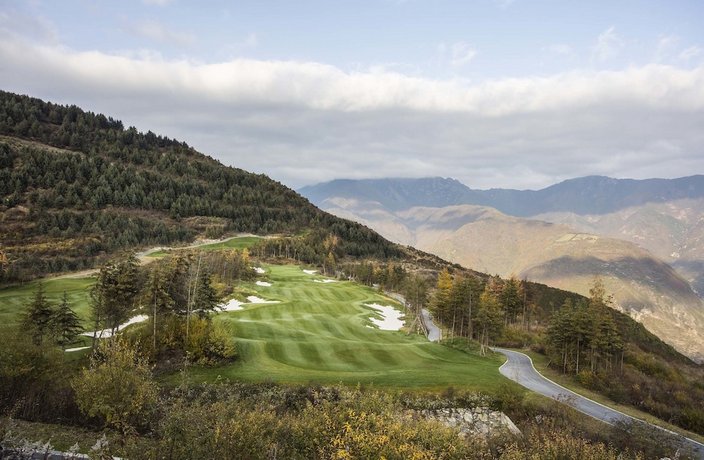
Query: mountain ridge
582, 195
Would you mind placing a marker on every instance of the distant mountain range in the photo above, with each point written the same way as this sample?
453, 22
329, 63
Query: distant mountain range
584, 195
645, 238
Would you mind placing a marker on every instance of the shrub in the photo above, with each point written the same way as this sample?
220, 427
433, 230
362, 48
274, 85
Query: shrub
117, 387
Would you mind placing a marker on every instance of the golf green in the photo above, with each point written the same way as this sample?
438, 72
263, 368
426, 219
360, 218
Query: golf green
321, 332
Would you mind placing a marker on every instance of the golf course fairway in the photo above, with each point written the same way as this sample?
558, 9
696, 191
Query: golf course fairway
321, 332
14, 299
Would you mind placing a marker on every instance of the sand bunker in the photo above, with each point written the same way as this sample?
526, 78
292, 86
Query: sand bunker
255, 299
391, 317
236, 305
259, 270
107, 333
232, 305
325, 281
263, 283
69, 350
310, 272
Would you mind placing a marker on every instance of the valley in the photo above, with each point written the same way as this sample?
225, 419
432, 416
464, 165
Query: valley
629, 249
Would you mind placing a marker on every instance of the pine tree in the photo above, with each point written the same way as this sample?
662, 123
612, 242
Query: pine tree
177, 275
115, 293
440, 302
512, 299
489, 318
156, 298
65, 324
205, 299
464, 296
38, 316
415, 290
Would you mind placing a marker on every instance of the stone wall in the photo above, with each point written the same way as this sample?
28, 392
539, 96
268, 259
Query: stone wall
478, 421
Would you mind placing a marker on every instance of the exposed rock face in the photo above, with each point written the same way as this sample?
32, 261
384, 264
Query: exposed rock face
478, 421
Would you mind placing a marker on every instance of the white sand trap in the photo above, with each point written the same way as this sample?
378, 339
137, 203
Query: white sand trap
232, 305
327, 280
391, 317
255, 299
310, 272
263, 283
69, 350
107, 333
259, 270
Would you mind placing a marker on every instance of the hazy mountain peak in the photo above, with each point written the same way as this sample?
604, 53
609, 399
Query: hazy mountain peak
582, 195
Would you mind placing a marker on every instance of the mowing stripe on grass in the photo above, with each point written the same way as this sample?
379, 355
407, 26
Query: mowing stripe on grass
318, 333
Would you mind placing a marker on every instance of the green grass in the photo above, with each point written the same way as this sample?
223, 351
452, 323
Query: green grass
318, 333
13, 299
238, 242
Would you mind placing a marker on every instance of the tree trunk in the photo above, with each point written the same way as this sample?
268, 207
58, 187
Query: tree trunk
154, 339
191, 299
470, 327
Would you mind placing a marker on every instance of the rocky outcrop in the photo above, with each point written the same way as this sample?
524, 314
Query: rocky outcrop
478, 421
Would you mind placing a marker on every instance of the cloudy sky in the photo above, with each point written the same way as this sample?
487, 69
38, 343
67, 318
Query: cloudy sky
495, 93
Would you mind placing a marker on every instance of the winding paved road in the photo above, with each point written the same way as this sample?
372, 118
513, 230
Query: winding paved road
519, 368
434, 334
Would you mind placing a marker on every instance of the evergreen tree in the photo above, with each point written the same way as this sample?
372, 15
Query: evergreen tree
489, 319
415, 291
115, 293
156, 299
38, 316
65, 324
464, 298
585, 335
512, 299
440, 302
205, 299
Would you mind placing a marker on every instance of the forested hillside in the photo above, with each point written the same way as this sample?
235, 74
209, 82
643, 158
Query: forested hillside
76, 186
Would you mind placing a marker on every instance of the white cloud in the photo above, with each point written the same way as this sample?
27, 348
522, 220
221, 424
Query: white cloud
304, 122
608, 45
462, 53
158, 32
665, 47
690, 53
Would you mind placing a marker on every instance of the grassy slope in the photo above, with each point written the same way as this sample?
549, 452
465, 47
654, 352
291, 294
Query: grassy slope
238, 242
241, 242
318, 333
14, 298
